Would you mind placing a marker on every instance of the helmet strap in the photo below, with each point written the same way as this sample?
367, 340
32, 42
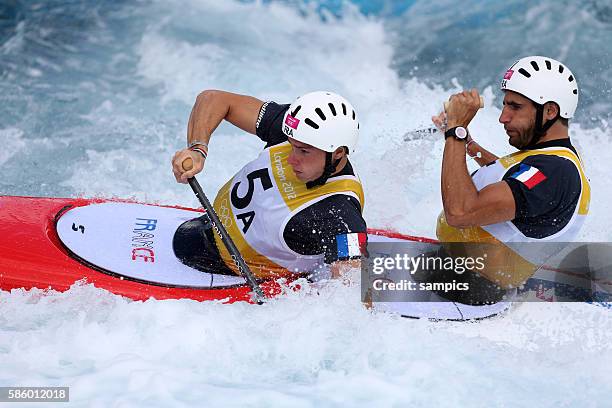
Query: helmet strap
540, 128
330, 168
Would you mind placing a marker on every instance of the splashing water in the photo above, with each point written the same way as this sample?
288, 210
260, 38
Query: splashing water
95, 100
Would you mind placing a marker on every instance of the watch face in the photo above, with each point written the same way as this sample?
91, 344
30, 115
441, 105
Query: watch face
460, 132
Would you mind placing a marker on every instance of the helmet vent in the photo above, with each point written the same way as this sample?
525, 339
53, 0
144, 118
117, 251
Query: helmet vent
575, 92
548, 65
344, 109
320, 113
571, 78
311, 123
295, 112
357, 125
561, 69
332, 108
353, 115
524, 72
535, 65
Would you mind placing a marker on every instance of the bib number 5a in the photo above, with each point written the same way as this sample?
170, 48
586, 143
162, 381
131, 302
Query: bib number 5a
243, 202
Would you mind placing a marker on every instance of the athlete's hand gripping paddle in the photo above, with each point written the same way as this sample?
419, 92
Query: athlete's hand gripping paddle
418, 133
446, 103
225, 237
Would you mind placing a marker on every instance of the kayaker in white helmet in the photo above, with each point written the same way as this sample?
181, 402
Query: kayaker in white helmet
537, 195
298, 206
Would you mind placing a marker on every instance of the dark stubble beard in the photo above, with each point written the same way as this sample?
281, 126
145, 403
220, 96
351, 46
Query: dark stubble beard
525, 137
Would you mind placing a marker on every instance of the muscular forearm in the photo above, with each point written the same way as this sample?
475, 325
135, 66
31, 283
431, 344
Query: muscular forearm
458, 190
464, 205
212, 107
208, 111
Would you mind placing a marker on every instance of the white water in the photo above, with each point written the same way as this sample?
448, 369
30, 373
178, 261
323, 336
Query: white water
302, 349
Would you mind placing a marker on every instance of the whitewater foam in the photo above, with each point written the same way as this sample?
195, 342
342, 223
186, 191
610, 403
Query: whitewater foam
115, 118
307, 347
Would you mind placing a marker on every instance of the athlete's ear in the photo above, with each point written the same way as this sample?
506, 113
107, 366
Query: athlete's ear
551, 110
339, 153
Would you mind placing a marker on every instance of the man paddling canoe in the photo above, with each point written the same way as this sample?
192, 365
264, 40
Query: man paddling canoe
297, 207
524, 201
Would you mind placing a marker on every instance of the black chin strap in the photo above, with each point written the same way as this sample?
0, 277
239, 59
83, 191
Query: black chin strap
540, 128
330, 168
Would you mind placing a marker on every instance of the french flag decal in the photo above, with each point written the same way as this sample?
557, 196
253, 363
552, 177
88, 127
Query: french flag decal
528, 175
350, 245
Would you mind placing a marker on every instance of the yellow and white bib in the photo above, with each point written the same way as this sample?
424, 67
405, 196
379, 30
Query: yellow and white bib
259, 201
515, 269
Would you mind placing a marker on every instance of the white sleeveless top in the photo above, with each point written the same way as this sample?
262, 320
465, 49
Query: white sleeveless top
506, 233
259, 201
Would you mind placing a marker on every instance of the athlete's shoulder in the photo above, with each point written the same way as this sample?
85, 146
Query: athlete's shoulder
546, 189
335, 214
545, 167
269, 123
339, 206
321, 227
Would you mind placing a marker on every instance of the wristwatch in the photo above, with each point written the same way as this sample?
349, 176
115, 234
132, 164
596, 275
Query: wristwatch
457, 132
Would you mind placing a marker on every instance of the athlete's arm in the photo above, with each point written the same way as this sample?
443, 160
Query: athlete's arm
464, 205
210, 108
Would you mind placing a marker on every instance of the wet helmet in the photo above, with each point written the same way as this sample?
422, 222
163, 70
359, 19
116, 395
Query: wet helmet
324, 120
543, 80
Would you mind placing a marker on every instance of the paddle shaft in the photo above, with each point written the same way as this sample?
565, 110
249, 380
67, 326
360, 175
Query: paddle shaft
243, 268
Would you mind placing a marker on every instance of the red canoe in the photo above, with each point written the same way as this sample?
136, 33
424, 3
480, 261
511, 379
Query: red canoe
51, 243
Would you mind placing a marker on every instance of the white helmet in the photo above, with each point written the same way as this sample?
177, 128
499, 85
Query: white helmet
324, 120
542, 80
